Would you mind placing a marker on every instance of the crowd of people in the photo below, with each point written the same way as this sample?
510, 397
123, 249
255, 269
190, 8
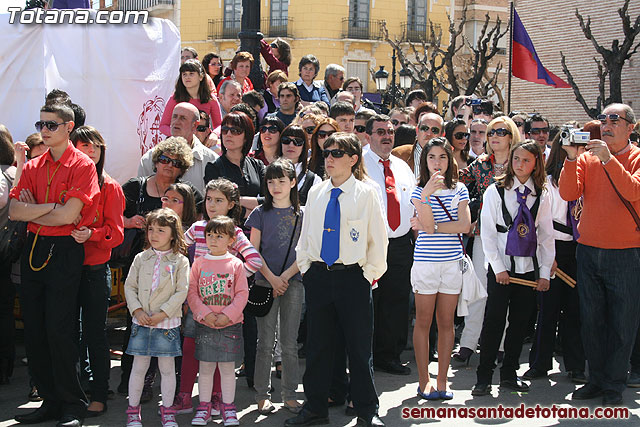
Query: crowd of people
305, 221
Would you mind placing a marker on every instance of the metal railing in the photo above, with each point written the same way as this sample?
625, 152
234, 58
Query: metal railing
142, 4
415, 32
221, 29
364, 29
277, 27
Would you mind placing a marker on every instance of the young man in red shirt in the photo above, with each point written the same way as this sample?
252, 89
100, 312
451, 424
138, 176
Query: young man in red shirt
54, 195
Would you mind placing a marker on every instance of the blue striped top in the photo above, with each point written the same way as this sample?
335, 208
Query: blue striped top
440, 247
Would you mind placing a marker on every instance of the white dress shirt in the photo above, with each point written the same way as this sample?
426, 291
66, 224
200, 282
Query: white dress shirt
195, 174
494, 243
558, 211
363, 231
405, 184
316, 180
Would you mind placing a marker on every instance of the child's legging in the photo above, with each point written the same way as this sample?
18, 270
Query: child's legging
227, 380
166, 365
189, 368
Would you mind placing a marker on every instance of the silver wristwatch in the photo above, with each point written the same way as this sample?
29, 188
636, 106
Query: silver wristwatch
435, 227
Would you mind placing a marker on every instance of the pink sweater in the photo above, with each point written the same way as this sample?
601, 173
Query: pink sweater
218, 284
212, 108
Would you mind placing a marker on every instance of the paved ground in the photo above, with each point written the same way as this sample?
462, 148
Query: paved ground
395, 394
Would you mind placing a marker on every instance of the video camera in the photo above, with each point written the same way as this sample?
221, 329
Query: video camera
572, 136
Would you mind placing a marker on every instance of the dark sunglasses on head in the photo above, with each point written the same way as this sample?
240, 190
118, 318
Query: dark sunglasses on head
397, 122
335, 153
166, 160
536, 131
360, 128
202, 128
383, 132
309, 129
499, 132
612, 117
519, 124
298, 142
325, 133
425, 128
234, 131
270, 129
51, 125
461, 135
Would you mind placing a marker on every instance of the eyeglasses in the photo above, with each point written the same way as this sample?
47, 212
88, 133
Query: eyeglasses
499, 132
519, 124
335, 153
613, 117
397, 122
213, 64
202, 128
298, 142
383, 132
425, 128
325, 133
167, 160
461, 135
234, 131
174, 200
271, 129
360, 128
536, 131
309, 129
51, 125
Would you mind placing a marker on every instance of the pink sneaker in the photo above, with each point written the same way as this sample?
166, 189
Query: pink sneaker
216, 403
133, 416
229, 415
182, 403
168, 417
203, 414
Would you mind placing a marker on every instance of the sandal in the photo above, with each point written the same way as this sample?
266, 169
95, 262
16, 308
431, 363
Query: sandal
294, 409
434, 395
267, 407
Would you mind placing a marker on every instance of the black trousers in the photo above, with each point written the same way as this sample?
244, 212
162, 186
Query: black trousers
49, 299
339, 298
559, 298
635, 354
391, 302
7, 322
520, 301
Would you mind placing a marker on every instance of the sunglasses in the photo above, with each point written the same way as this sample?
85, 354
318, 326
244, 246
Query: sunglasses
271, 129
461, 135
383, 132
335, 153
174, 200
325, 133
519, 124
536, 131
499, 132
298, 142
360, 128
234, 131
166, 160
202, 128
310, 129
396, 122
213, 64
425, 128
51, 125
612, 117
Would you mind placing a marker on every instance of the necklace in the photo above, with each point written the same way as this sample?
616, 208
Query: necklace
499, 168
155, 182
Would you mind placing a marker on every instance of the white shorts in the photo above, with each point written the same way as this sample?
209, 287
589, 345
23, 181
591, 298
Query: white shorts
430, 278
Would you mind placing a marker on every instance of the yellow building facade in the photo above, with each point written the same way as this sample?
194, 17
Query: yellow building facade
344, 32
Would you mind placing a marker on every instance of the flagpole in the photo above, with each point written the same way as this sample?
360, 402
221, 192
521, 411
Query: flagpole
510, 55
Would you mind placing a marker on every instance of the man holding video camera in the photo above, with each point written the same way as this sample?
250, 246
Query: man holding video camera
607, 175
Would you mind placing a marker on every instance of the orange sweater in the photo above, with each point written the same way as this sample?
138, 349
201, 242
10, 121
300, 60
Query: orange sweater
605, 222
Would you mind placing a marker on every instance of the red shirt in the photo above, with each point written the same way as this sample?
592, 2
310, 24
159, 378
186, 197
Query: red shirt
108, 226
246, 86
73, 175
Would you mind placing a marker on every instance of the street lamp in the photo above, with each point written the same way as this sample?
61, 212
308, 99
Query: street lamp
381, 77
405, 79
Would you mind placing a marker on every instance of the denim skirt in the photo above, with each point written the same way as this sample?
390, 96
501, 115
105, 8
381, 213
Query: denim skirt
188, 324
155, 342
219, 345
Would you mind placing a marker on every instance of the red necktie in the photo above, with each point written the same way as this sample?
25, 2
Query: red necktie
393, 205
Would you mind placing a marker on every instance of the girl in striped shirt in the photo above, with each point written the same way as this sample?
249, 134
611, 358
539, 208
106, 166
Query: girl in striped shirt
222, 197
436, 274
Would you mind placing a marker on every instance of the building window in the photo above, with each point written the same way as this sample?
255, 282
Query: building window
417, 16
359, 69
232, 15
359, 13
279, 18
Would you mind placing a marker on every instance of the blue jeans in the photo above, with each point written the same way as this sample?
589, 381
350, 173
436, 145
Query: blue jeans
609, 289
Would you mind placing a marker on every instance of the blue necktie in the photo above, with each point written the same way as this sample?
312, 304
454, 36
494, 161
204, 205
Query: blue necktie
331, 233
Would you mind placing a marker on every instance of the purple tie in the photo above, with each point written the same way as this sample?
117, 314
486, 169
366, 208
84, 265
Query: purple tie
521, 238
573, 216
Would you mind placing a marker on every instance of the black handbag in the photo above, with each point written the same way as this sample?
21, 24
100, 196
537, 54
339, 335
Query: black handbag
123, 254
12, 237
260, 297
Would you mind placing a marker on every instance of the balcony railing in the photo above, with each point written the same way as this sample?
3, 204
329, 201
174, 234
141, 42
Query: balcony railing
364, 29
223, 29
277, 27
415, 32
143, 4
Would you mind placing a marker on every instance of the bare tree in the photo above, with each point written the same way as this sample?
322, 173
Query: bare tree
612, 62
